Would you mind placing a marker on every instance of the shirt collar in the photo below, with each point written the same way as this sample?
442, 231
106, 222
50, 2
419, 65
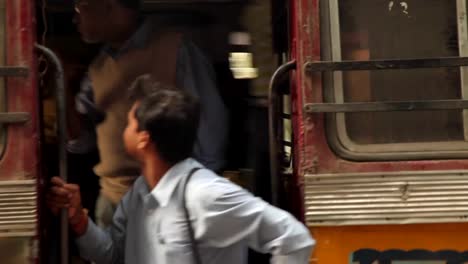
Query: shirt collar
168, 183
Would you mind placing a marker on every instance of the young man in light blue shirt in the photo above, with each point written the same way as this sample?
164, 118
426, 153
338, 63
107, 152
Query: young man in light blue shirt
149, 225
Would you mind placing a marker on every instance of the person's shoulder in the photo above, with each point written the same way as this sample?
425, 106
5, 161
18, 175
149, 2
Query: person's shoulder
206, 186
98, 62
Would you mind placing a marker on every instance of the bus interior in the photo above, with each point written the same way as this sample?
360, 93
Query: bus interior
245, 41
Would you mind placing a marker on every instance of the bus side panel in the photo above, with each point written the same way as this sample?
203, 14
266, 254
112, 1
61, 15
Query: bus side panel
314, 152
355, 244
21, 157
19, 162
313, 155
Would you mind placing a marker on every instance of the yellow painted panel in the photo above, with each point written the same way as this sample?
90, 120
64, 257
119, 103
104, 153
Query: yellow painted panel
335, 244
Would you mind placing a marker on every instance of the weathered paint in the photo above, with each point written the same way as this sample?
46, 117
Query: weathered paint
336, 244
313, 156
21, 157
20, 160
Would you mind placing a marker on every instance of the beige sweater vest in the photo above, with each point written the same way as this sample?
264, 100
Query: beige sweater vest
111, 79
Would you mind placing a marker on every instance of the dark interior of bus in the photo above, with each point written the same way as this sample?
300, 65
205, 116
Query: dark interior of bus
245, 41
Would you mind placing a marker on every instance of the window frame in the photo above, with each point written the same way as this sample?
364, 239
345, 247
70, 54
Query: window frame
336, 130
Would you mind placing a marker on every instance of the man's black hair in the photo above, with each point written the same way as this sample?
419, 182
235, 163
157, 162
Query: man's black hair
131, 4
170, 116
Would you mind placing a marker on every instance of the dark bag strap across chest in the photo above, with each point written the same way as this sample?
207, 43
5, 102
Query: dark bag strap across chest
193, 241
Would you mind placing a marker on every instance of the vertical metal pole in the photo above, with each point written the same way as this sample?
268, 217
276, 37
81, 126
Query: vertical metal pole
62, 135
273, 117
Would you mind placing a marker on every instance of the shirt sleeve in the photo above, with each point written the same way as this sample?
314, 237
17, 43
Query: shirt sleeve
230, 215
106, 246
195, 74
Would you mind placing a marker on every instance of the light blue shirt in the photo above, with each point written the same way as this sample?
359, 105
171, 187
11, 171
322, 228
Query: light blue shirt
195, 74
149, 225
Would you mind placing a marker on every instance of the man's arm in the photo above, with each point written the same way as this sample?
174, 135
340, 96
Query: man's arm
280, 234
94, 244
195, 74
228, 214
105, 246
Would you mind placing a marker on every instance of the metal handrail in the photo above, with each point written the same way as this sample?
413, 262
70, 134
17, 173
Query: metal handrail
273, 117
62, 135
386, 106
369, 65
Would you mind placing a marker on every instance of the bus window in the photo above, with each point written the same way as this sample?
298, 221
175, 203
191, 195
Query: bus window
379, 30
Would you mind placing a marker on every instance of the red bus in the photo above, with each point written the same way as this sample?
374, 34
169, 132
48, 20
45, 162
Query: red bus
348, 113
379, 134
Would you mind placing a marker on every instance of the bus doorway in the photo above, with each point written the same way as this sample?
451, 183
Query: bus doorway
245, 42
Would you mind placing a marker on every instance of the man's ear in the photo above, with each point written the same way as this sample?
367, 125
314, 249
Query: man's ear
143, 140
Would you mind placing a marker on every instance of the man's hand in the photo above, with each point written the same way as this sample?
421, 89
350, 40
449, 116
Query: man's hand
64, 195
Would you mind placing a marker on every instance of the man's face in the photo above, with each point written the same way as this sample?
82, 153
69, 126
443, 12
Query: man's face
91, 20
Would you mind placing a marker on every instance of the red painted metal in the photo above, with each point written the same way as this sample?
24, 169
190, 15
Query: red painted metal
301, 51
310, 129
313, 155
20, 159
296, 190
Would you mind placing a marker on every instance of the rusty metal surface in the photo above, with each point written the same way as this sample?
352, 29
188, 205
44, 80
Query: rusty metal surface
14, 118
304, 15
386, 106
18, 208
313, 155
2, 62
13, 71
323, 66
386, 198
20, 160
